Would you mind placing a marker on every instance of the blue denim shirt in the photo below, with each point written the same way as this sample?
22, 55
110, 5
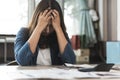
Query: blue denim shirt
25, 57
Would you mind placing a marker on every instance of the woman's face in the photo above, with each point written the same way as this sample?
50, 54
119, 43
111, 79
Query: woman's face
49, 29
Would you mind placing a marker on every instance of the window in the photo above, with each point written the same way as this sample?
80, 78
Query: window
69, 17
13, 15
70, 11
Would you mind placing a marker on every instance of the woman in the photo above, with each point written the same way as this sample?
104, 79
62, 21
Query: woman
45, 41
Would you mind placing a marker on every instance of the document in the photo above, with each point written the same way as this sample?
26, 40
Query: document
8, 73
56, 73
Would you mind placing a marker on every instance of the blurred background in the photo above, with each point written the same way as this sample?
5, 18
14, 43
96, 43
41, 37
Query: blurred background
105, 26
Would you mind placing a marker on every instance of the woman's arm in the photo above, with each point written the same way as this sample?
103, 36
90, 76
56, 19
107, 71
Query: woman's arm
43, 20
22, 51
65, 48
25, 47
60, 35
61, 39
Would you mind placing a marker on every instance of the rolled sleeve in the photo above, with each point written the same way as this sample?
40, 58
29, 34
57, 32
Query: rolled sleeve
24, 55
22, 51
68, 55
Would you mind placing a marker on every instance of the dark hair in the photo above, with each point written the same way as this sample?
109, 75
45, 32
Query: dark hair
43, 5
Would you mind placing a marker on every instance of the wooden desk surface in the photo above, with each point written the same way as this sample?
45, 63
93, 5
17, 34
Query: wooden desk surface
45, 73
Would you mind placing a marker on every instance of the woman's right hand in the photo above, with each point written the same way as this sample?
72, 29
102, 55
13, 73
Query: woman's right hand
43, 19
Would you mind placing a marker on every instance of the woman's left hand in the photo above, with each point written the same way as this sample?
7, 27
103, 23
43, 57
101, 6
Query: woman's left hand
55, 19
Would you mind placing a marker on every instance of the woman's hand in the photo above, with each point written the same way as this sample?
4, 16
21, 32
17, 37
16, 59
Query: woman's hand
55, 19
44, 19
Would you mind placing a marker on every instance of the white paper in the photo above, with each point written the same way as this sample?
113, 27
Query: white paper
58, 73
79, 65
8, 73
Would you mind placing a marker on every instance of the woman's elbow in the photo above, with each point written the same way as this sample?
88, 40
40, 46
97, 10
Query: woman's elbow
20, 60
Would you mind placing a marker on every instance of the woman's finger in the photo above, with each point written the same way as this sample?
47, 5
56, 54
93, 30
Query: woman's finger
48, 18
56, 12
54, 15
41, 14
49, 13
45, 12
52, 18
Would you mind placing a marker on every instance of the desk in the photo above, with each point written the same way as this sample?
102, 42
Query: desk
48, 73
